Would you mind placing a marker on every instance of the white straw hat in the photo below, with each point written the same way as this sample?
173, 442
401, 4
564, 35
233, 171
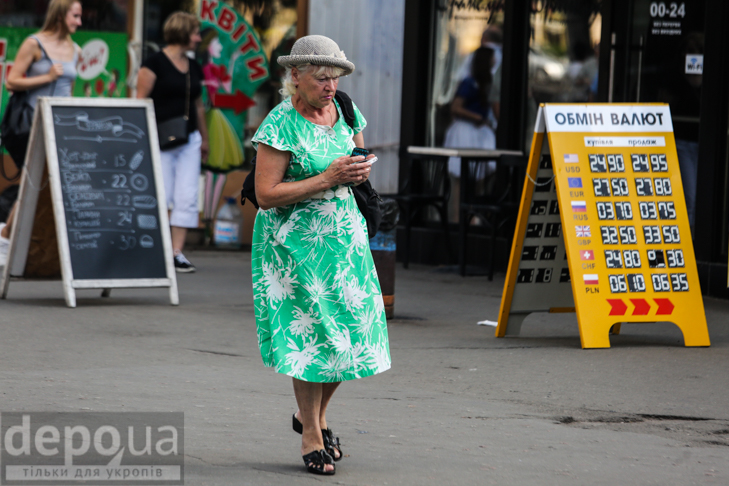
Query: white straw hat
317, 50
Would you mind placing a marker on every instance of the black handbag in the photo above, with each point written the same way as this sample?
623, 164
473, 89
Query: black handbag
173, 132
15, 129
369, 204
17, 123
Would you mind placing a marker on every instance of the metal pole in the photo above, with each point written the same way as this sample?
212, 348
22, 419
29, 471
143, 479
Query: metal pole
640, 69
611, 81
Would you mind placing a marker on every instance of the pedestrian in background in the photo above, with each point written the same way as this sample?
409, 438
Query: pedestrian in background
174, 82
471, 127
318, 303
471, 110
44, 66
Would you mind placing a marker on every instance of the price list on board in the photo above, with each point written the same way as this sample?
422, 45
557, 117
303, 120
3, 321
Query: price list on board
109, 193
646, 219
624, 222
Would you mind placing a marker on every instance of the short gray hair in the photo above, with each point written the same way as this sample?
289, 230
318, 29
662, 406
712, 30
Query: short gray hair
289, 89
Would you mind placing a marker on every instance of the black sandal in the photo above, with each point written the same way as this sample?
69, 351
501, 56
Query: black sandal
316, 461
297, 425
331, 443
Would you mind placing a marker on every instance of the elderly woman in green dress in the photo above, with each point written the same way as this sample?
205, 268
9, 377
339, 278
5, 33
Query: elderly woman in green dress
318, 303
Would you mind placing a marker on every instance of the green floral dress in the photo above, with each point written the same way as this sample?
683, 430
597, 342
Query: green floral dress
318, 302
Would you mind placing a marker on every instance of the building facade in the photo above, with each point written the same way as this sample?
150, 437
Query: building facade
412, 55
578, 51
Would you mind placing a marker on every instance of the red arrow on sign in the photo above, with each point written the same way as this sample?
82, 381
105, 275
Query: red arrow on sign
642, 307
618, 307
665, 307
237, 102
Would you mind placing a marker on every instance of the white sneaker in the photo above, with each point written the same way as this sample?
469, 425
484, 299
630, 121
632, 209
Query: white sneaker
183, 265
4, 246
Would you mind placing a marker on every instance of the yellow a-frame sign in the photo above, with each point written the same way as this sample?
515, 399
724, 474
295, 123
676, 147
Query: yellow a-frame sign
603, 228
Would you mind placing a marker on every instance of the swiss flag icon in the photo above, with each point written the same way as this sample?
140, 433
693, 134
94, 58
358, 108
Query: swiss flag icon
587, 255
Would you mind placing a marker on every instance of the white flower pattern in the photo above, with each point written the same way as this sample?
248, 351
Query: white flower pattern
303, 322
317, 299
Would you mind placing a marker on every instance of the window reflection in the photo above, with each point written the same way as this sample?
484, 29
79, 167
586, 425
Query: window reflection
460, 31
562, 60
563, 57
466, 85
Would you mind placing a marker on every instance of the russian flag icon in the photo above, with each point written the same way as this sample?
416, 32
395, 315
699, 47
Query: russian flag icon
578, 206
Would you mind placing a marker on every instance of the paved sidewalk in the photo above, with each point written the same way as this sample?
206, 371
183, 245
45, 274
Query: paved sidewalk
458, 407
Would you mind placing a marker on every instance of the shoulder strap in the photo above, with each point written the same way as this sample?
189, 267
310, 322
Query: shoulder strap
345, 103
43, 50
40, 44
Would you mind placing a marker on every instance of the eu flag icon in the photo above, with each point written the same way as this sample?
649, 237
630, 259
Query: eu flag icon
574, 182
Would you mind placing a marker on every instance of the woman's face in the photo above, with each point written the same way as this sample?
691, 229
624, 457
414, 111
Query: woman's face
195, 39
73, 18
318, 91
215, 48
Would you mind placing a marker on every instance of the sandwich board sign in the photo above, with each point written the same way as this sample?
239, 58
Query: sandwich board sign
99, 159
603, 228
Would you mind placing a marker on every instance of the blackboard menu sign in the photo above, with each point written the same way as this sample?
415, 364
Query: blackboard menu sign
102, 161
109, 192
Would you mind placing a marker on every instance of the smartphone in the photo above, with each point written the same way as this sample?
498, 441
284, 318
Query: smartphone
360, 151
355, 152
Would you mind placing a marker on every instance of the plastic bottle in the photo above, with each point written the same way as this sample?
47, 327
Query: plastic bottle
228, 225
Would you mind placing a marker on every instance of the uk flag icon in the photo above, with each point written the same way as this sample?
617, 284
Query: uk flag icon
583, 231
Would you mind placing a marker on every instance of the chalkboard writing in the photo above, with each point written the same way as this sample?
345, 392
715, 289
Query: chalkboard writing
109, 192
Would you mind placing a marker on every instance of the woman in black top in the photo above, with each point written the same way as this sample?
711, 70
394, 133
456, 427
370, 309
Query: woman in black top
164, 78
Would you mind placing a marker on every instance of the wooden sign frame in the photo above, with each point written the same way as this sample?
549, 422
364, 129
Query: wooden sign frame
42, 154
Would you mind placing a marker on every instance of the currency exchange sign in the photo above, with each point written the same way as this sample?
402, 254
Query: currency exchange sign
624, 225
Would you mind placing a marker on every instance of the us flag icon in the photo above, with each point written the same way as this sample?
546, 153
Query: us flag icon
583, 231
587, 255
571, 159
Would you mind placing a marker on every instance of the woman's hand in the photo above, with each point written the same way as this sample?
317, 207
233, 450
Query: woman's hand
348, 169
204, 150
369, 169
55, 72
203, 129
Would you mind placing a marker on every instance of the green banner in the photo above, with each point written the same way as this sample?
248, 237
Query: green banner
234, 65
102, 67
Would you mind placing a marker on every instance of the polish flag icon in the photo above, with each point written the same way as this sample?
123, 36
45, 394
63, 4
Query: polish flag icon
587, 255
590, 279
579, 206
571, 159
